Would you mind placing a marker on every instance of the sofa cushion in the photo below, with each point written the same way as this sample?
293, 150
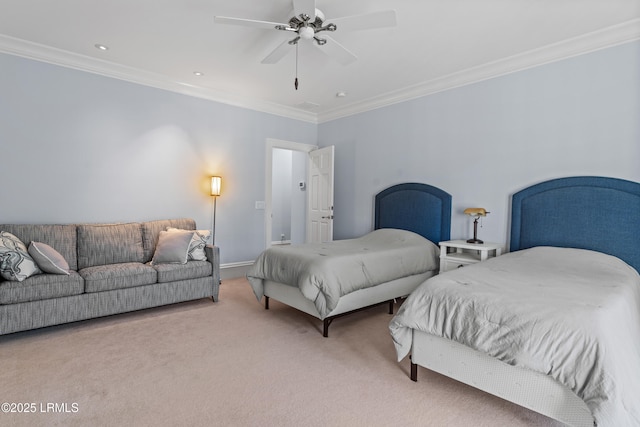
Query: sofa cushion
172, 248
117, 276
48, 259
60, 237
151, 231
41, 287
198, 242
190, 270
15, 262
102, 244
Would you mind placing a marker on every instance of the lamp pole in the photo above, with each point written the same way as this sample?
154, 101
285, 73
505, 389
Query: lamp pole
475, 232
213, 221
216, 184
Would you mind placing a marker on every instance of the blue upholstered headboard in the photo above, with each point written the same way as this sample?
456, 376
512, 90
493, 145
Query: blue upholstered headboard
420, 208
585, 212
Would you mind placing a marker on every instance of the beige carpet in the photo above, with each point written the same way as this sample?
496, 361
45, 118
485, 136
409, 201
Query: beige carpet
232, 363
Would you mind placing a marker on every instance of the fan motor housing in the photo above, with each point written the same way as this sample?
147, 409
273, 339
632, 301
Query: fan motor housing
297, 21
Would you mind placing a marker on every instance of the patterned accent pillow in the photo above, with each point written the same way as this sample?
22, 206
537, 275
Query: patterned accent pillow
15, 262
48, 259
198, 242
172, 248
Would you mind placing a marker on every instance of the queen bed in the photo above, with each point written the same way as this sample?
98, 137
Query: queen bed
328, 280
554, 325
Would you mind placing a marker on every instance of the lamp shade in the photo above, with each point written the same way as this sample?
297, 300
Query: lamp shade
216, 184
476, 211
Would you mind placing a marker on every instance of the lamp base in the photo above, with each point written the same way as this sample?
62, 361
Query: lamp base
475, 233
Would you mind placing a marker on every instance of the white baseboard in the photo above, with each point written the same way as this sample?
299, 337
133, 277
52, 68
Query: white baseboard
234, 269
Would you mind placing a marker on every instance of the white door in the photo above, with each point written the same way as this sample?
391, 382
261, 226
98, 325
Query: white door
320, 195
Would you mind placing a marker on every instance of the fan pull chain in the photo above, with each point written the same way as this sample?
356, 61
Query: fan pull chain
295, 82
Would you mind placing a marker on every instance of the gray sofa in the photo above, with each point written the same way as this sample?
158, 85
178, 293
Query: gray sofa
109, 272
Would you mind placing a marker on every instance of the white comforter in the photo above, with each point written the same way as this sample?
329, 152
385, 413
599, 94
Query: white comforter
568, 313
326, 271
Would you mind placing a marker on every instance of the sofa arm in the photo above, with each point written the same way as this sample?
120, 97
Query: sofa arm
213, 256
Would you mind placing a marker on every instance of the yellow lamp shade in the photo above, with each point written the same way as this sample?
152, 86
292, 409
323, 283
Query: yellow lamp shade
476, 211
216, 184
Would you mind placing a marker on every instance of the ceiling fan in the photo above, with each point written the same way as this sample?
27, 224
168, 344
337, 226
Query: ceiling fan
309, 23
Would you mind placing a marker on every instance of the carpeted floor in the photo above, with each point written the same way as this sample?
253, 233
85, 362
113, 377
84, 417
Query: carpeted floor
231, 363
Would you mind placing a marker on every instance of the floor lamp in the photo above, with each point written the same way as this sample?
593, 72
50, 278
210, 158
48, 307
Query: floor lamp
216, 183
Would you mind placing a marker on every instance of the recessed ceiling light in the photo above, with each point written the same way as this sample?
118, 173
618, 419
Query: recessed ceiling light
306, 105
341, 94
101, 46
198, 73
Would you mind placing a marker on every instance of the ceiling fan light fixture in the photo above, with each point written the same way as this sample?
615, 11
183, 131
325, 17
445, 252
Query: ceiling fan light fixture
308, 26
306, 33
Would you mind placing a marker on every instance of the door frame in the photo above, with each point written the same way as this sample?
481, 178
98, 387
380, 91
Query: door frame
268, 182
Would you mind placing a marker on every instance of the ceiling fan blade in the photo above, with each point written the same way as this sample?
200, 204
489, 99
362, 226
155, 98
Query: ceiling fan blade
367, 21
278, 53
247, 22
307, 7
337, 51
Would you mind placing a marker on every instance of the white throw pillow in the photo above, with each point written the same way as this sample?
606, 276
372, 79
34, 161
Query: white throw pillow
172, 247
48, 259
15, 262
198, 242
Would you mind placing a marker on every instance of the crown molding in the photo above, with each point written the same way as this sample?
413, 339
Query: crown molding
601, 39
51, 55
608, 37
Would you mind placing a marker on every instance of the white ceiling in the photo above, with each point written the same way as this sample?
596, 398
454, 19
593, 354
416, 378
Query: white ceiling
436, 45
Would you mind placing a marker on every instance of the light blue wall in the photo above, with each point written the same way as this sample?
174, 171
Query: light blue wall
483, 142
78, 147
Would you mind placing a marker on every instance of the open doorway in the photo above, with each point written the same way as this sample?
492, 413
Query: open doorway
288, 196
286, 191
298, 193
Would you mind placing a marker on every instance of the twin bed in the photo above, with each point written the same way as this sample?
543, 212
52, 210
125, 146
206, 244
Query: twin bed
328, 280
553, 326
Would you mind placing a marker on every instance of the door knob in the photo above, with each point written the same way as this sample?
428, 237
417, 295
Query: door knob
327, 217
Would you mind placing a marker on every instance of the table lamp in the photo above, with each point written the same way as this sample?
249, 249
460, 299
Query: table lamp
476, 213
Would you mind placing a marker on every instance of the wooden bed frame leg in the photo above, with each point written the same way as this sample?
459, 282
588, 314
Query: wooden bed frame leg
391, 306
414, 371
266, 302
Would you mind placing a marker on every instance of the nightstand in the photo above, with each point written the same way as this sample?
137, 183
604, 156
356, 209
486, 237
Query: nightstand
458, 253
